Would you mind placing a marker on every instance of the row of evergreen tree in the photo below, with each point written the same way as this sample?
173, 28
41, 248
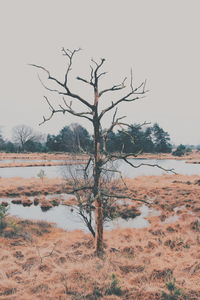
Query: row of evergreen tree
76, 138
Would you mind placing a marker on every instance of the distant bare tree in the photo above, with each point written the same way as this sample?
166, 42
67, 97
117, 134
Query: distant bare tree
2, 142
94, 187
22, 134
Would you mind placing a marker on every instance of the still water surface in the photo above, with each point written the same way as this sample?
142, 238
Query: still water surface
66, 218
179, 166
62, 215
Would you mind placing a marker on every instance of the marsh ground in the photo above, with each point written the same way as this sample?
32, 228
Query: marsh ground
54, 159
39, 261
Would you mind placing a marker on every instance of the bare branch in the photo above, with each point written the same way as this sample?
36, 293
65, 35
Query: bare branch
133, 95
119, 156
84, 80
71, 111
102, 74
49, 75
149, 165
70, 55
47, 255
95, 72
114, 88
123, 197
86, 168
75, 96
49, 89
91, 74
131, 84
64, 85
113, 124
63, 110
116, 122
82, 188
126, 98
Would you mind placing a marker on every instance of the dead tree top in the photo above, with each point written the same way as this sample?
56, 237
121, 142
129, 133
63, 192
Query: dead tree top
92, 112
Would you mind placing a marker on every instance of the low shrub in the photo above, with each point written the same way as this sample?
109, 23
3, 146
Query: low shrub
173, 292
114, 288
3, 213
195, 225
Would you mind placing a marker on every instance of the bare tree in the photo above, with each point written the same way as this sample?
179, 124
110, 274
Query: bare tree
2, 142
22, 134
93, 187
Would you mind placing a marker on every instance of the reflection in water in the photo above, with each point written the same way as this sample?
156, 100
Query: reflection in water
61, 215
66, 218
137, 222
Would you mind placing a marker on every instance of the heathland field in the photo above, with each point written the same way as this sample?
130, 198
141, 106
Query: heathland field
156, 259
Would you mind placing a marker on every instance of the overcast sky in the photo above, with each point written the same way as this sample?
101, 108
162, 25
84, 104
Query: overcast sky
159, 39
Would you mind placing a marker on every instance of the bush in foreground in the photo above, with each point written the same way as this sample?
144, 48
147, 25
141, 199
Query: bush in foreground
3, 213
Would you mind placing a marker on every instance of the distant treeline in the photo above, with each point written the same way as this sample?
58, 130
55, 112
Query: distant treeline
75, 138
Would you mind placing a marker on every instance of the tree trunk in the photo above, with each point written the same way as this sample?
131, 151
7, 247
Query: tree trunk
99, 228
97, 173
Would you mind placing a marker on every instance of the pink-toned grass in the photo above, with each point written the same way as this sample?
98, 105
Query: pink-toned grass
62, 265
30, 186
163, 192
194, 155
40, 164
42, 262
42, 156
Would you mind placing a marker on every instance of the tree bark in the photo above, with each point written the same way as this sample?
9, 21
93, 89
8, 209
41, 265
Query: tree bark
99, 228
97, 174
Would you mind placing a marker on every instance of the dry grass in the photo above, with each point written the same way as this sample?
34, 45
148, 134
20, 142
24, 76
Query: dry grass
17, 186
38, 261
142, 185
167, 192
191, 157
40, 164
41, 262
48, 263
45, 159
41, 156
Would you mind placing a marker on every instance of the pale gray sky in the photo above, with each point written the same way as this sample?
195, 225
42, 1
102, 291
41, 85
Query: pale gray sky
159, 39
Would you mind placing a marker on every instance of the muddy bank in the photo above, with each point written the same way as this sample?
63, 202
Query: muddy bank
42, 163
41, 156
193, 162
190, 156
16, 186
39, 159
166, 191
